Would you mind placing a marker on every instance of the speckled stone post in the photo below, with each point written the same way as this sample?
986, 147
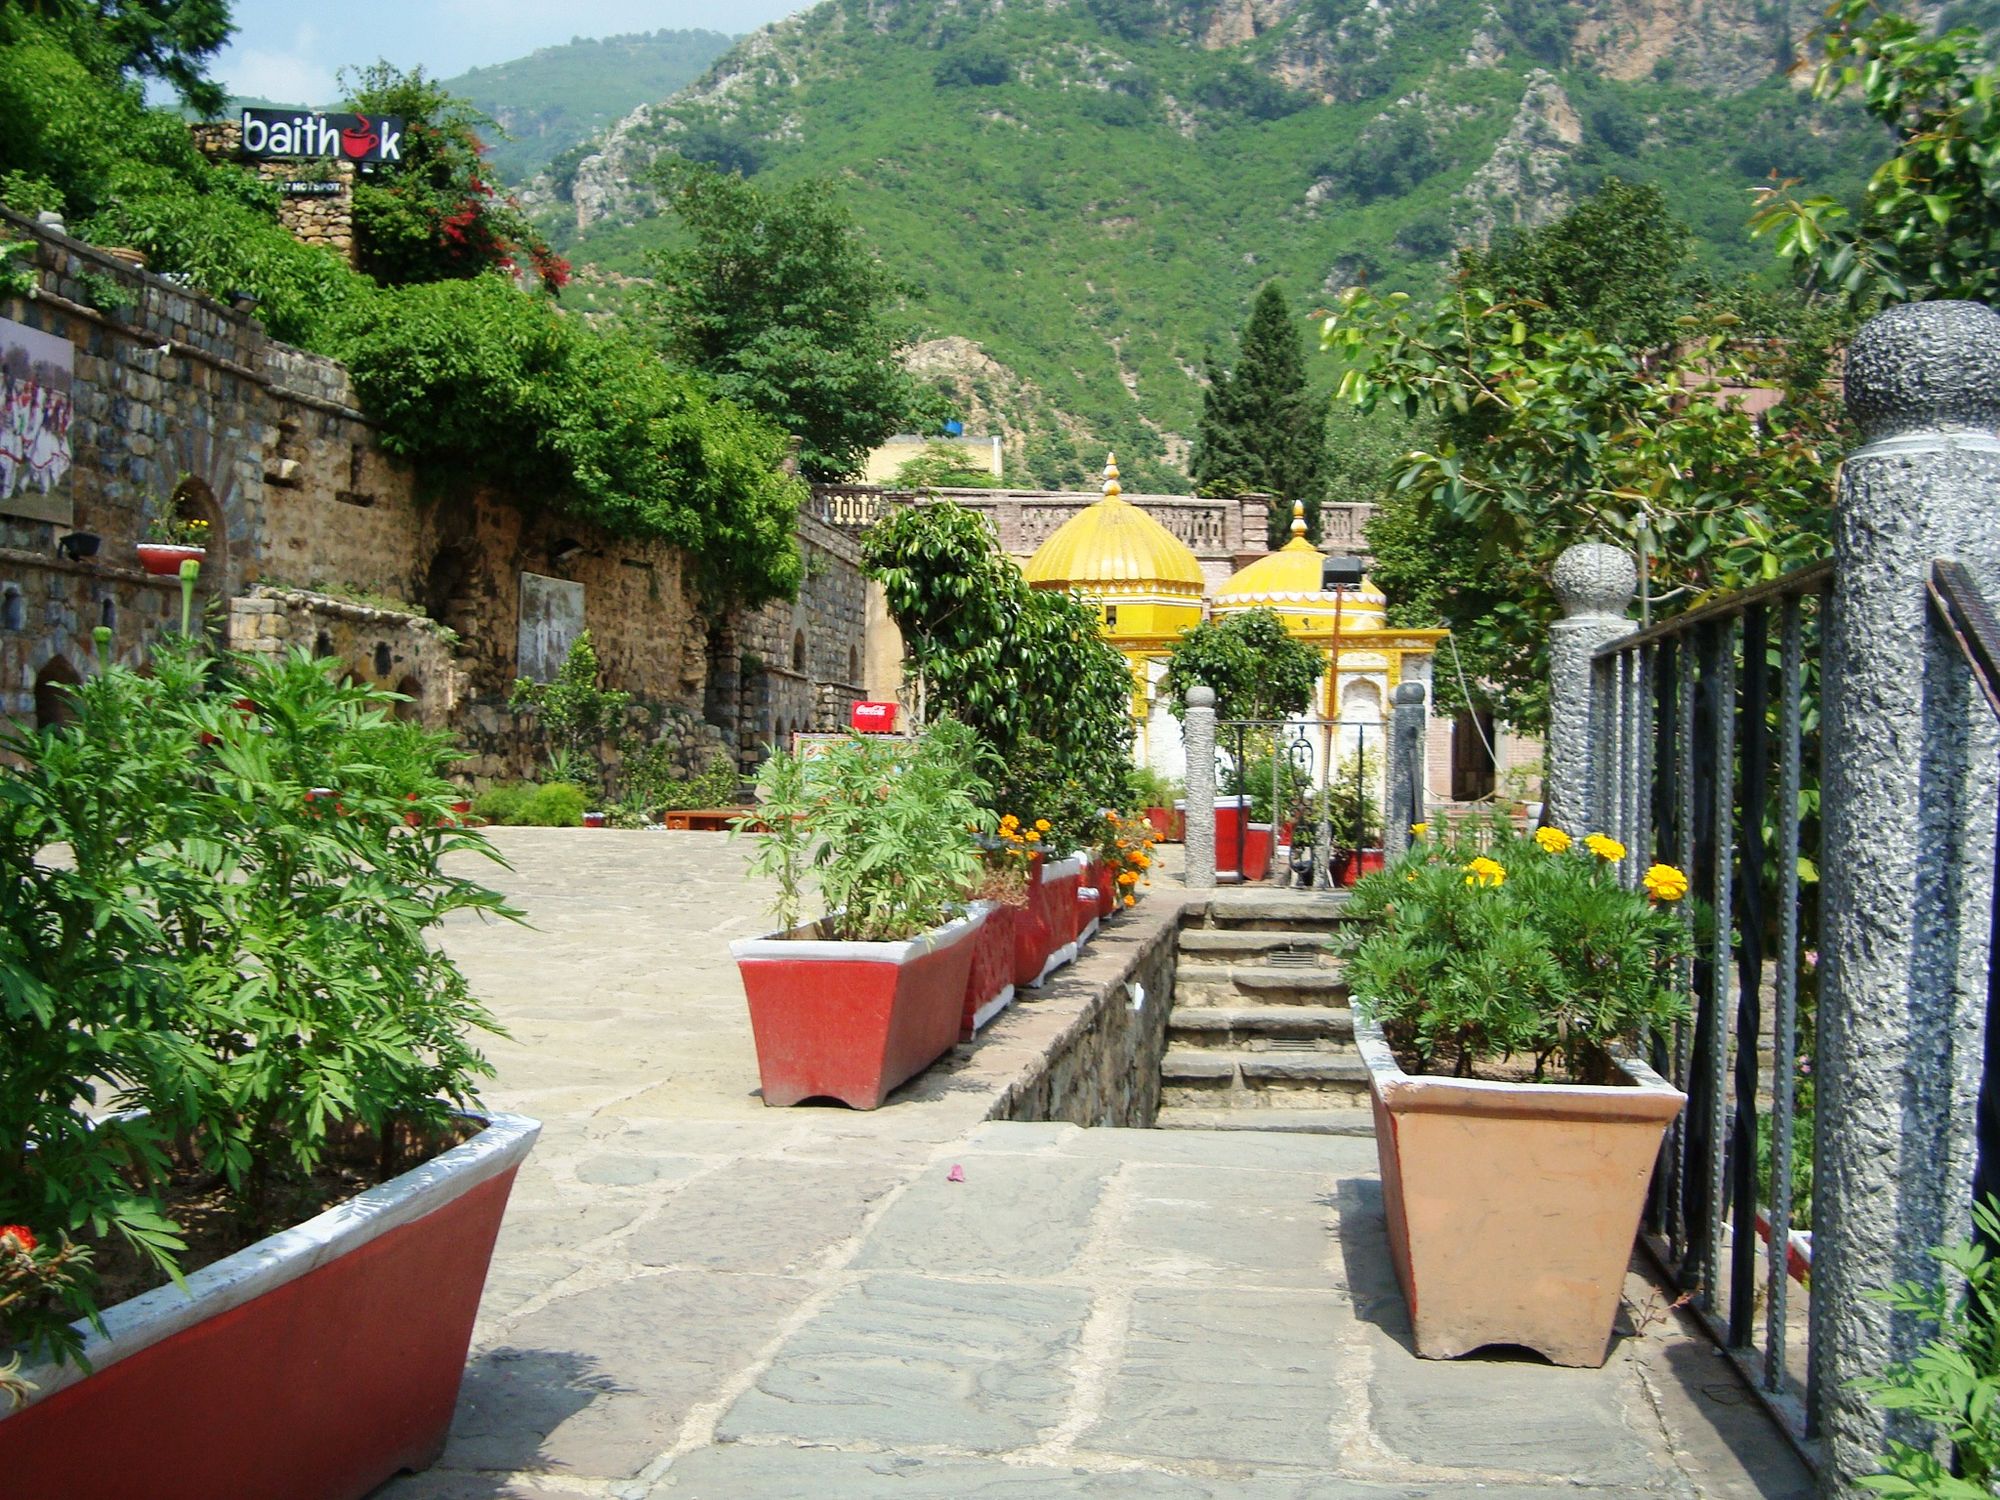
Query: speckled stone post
1595, 583
1406, 767
1200, 831
1909, 786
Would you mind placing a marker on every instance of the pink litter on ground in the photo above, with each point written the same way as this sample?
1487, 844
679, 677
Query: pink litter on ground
956, 1174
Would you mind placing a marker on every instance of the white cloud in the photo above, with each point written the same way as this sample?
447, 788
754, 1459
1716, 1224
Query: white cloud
284, 77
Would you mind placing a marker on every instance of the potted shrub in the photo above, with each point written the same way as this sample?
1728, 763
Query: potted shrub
1355, 818
1003, 889
1124, 851
170, 541
1497, 992
222, 1010
850, 1004
1155, 797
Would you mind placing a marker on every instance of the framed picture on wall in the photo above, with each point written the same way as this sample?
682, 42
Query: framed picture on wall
35, 413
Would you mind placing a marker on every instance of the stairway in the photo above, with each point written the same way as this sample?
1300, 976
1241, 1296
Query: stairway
1260, 1036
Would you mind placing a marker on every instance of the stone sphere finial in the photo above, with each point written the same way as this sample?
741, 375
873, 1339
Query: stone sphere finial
1407, 692
1593, 578
1201, 697
1925, 367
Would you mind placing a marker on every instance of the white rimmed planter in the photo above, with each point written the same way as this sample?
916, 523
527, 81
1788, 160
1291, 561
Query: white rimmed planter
850, 1021
1054, 901
320, 1361
1512, 1207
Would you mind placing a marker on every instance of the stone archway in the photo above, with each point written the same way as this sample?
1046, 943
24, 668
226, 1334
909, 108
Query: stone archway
193, 500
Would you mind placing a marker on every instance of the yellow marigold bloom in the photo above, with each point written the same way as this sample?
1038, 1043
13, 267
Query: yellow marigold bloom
1130, 877
1665, 883
1143, 861
1033, 837
1041, 825
1418, 830
1553, 840
1484, 871
1604, 847
1131, 900
1010, 821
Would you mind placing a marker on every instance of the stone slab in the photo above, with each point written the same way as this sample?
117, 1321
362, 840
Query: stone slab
1514, 1414
903, 1360
1229, 1376
1014, 1217
1220, 1226
771, 1216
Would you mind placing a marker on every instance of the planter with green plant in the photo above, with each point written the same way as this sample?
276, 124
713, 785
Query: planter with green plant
170, 541
1003, 889
1498, 992
850, 1004
223, 1028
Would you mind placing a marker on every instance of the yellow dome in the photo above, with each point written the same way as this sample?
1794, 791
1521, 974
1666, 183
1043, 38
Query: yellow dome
1114, 549
1289, 582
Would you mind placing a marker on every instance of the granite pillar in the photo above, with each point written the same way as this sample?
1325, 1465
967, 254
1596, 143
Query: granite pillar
1596, 584
1406, 767
1200, 832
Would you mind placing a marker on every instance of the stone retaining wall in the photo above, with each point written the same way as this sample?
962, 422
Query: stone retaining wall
1094, 1036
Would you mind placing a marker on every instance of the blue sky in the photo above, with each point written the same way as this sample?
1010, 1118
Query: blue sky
289, 52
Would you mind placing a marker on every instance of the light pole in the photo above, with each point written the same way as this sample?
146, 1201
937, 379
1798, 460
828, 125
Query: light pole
1337, 575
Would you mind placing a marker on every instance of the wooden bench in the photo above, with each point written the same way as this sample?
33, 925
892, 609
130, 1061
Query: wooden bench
706, 819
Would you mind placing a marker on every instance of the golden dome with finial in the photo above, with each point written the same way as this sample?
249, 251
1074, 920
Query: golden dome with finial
1289, 582
1114, 550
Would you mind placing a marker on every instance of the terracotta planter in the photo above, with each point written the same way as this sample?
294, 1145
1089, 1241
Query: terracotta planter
321, 1361
1229, 815
1032, 938
1169, 823
1354, 863
989, 982
1052, 898
1088, 914
1512, 1207
594, 819
163, 559
850, 1021
1104, 880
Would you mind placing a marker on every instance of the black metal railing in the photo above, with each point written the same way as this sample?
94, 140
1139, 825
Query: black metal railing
1316, 751
1705, 751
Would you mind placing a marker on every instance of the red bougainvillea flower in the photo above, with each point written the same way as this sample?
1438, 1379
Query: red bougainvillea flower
17, 1239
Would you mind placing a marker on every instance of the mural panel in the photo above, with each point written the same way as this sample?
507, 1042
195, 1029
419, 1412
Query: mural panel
35, 410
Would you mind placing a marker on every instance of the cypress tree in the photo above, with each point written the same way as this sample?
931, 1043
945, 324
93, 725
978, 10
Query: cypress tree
1261, 428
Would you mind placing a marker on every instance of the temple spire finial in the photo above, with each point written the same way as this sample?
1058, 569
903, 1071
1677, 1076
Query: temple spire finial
1298, 518
1111, 487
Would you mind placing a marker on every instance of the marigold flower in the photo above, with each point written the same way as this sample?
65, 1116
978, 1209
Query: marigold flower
1484, 871
1605, 847
1130, 877
1665, 883
1552, 840
17, 1239
1010, 821
1041, 825
1032, 836
1418, 830
1131, 900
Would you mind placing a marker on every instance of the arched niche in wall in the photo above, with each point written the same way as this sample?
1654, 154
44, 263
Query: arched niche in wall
799, 651
447, 591
13, 609
193, 500
411, 710
53, 704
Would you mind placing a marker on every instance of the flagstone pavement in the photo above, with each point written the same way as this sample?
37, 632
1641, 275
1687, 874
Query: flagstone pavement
698, 1298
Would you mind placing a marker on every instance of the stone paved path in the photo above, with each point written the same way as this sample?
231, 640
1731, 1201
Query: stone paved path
698, 1297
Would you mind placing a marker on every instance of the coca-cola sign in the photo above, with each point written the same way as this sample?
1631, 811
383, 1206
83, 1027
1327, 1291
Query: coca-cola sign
306, 135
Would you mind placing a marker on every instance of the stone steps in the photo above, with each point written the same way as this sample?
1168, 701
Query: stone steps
1233, 945
1200, 985
1256, 1028
1267, 910
1231, 1078
1343, 1121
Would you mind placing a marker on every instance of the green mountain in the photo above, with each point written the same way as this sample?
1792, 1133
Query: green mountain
1087, 195
552, 100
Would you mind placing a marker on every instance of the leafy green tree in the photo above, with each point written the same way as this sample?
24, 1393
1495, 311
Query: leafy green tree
434, 215
1928, 224
577, 716
168, 40
1615, 265
944, 466
1261, 428
775, 296
1025, 668
1256, 667
486, 384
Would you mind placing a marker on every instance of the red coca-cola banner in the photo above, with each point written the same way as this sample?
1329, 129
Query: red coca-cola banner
874, 718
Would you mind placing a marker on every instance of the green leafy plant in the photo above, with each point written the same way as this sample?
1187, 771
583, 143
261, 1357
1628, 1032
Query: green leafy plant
650, 776
555, 804
236, 948
502, 804
1470, 953
885, 832
1952, 1383
1145, 787
574, 714
1256, 668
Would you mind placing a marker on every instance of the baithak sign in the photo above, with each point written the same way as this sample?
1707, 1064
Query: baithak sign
311, 136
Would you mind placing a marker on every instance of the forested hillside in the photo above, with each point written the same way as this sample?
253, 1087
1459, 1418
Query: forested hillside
554, 98
1086, 195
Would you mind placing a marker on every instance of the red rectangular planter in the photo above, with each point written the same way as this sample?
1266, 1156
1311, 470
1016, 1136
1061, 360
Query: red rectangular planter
989, 982
319, 1362
1053, 900
850, 1021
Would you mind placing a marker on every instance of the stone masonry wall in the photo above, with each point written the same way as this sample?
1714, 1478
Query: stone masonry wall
1097, 1045
316, 531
